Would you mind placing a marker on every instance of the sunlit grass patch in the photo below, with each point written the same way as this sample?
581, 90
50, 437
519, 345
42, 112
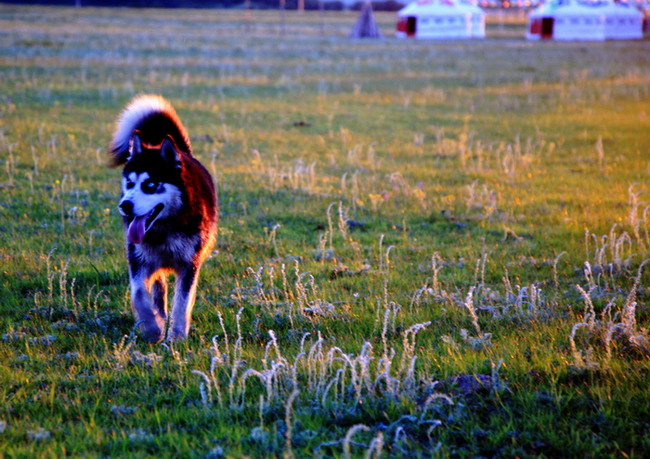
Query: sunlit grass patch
425, 247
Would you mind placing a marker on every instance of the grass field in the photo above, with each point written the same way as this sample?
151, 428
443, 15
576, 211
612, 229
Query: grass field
426, 248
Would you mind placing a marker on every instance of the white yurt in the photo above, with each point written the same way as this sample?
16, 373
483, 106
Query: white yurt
622, 21
440, 19
579, 22
573, 21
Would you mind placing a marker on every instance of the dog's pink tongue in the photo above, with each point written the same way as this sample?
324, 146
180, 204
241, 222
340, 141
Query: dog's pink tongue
136, 230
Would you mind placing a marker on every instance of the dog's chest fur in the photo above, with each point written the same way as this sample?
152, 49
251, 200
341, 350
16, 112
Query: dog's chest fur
173, 251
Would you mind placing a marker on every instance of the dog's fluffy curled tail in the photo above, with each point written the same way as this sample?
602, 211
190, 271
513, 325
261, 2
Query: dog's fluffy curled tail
154, 119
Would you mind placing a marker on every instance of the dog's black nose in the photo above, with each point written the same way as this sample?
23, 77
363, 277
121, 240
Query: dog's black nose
127, 208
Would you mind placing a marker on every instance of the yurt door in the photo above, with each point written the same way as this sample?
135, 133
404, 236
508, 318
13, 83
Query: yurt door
411, 26
547, 28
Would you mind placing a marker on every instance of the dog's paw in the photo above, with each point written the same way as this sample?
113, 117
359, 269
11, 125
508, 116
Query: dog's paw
176, 335
152, 332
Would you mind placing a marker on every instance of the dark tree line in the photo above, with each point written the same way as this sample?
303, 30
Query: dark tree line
382, 5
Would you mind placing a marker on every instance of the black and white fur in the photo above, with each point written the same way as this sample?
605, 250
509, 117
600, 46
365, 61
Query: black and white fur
169, 208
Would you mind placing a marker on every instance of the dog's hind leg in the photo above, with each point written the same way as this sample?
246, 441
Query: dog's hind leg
184, 296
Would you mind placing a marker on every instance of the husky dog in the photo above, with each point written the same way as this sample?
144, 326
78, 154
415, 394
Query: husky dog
169, 208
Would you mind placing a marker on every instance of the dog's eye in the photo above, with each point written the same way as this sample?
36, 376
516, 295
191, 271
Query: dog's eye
129, 184
149, 186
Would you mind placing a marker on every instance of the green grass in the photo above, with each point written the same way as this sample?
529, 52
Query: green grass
484, 152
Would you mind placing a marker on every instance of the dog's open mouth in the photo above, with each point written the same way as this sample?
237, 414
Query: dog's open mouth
140, 225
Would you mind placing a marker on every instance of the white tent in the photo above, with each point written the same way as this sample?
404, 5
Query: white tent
578, 22
565, 20
441, 19
622, 21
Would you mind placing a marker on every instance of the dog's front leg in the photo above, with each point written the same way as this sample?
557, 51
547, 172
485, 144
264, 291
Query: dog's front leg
152, 322
184, 296
159, 295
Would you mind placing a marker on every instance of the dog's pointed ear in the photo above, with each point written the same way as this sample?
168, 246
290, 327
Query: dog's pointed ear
135, 146
170, 154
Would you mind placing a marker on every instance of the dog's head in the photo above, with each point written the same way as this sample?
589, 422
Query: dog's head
151, 186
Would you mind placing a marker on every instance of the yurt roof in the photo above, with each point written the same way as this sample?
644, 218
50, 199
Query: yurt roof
578, 9
437, 8
545, 9
472, 8
574, 8
620, 10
